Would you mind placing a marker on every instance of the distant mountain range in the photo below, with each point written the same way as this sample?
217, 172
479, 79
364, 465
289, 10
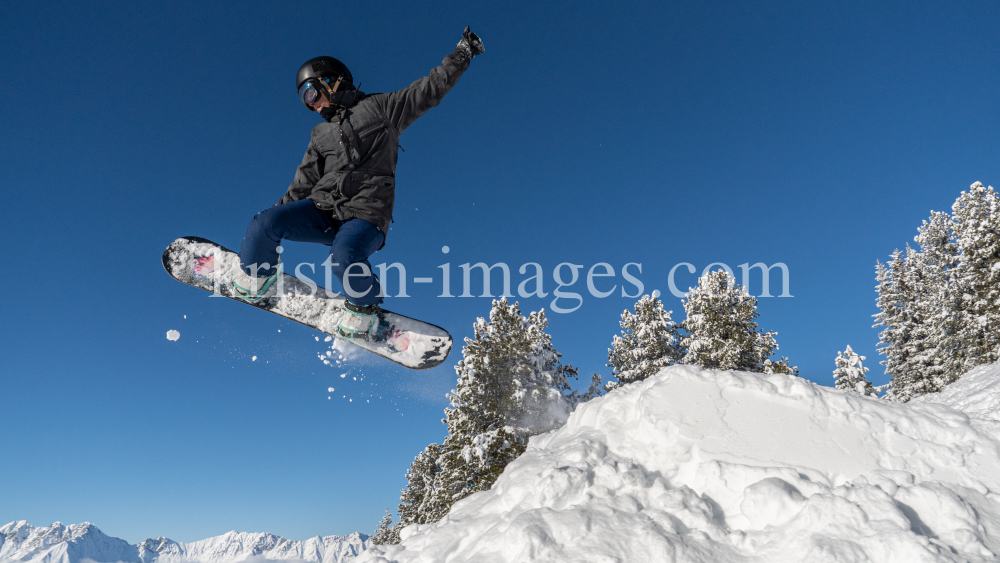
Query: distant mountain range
79, 543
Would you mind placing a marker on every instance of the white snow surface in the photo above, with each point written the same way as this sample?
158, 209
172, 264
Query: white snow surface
707, 466
84, 543
976, 394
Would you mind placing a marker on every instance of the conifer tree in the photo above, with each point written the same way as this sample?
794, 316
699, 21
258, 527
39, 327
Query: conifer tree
648, 341
941, 298
936, 353
722, 331
915, 299
511, 385
415, 500
850, 373
977, 230
385, 533
940, 306
895, 301
781, 366
918, 359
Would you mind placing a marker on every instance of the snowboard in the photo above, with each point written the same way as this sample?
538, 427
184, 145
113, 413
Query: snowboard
201, 263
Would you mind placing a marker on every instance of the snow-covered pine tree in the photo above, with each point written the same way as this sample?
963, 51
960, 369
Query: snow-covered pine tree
781, 366
918, 359
511, 385
648, 341
385, 533
895, 301
415, 501
936, 352
977, 230
850, 373
940, 307
721, 328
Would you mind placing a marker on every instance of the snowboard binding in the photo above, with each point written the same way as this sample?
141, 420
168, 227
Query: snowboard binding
359, 322
253, 289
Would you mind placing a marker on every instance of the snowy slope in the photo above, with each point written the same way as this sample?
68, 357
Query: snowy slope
22, 542
976, 394
710, 467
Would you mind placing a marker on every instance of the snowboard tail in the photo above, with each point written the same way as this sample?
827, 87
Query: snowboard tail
201, 263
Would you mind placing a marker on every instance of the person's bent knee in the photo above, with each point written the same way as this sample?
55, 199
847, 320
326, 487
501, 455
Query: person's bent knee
264, 223
345, 257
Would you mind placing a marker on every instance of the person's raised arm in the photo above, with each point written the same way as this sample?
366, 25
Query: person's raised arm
403, 107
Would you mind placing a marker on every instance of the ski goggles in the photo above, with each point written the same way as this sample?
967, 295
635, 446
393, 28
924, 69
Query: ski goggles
308, 92
311, 89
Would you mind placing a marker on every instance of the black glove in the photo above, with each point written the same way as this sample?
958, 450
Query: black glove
471, 43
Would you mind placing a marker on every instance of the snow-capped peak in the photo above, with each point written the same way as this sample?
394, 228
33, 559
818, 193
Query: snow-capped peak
58, 543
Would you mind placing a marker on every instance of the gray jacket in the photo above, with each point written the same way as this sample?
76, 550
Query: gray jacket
349, 169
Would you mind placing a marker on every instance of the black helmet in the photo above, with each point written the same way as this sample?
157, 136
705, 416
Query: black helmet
323, 73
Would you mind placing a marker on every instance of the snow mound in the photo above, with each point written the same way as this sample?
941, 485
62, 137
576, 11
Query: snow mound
976, 394
706, 466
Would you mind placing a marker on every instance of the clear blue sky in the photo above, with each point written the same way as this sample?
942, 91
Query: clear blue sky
654, 132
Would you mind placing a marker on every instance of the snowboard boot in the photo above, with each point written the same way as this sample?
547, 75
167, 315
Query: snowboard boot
359, 321
251, 288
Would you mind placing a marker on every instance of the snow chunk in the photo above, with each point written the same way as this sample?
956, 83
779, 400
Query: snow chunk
254, 359
716, 467
770, 502
173, 335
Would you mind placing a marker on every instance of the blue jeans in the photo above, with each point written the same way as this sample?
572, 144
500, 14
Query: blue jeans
351, 242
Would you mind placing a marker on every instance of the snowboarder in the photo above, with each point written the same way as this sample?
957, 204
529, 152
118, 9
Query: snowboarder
343, 192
